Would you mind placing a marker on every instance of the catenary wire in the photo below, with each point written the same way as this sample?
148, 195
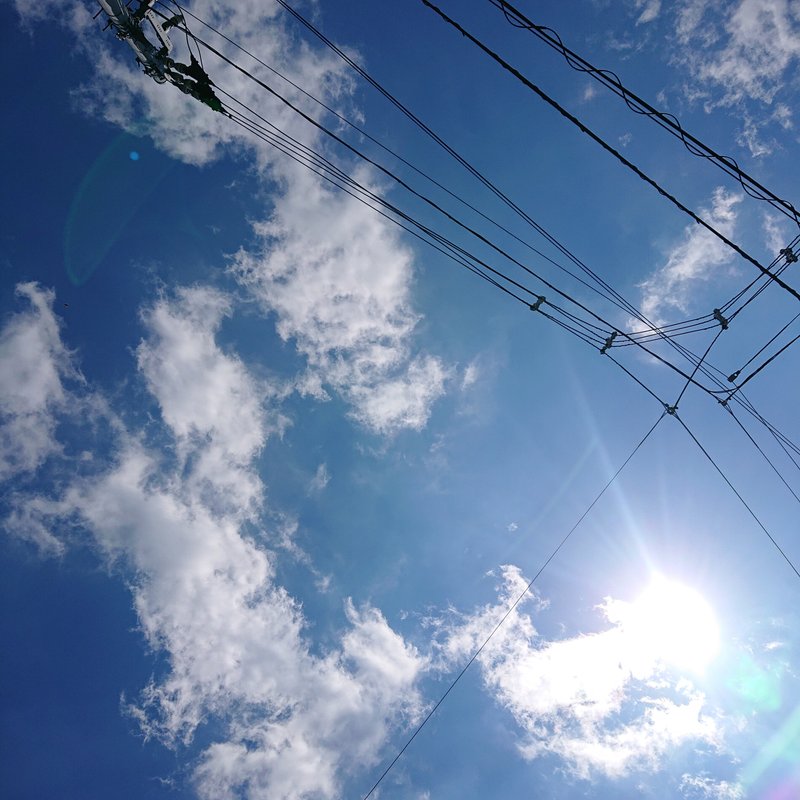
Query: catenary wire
449, 216
752, 358
687, 354
768, 361
752, 410
764, 455
361, 131
613, 151
683, 350
667, 121
460, 159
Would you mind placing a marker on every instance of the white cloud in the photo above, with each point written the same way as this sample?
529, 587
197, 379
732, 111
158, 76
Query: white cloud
33, 366
288, 723
776, 234
701, 787
75, 15
335, 275
650, 10
321, 478
750, 136
402, 401
600, 702
471, 375
697, 258
749, 54
207, 397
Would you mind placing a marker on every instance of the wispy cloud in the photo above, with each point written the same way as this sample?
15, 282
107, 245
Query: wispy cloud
696, 259
34, 365
650, 10
702, 787
749, 55
321, 479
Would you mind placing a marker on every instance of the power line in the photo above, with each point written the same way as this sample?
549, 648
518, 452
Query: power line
621, 158
741, 499
665, 332
768, 361
455, 252
628, 307
752, 358
765, 456
668, 122
451, 246
448, 215
510, 609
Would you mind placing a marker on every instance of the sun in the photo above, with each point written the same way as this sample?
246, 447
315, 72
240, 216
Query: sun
674, 624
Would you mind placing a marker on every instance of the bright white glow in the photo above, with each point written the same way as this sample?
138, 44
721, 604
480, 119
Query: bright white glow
674, 624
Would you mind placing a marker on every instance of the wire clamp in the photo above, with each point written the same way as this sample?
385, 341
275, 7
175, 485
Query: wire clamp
719, 318
791, 258
671, 410
608, 343
733, 376
539, 300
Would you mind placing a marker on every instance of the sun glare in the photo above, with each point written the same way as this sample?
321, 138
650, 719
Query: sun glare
675, 624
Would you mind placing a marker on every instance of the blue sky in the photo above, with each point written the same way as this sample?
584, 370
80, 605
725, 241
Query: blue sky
272, 468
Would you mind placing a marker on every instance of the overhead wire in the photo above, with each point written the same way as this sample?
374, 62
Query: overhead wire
752, 513
693, 359
764, 455
355, 151
765, 364
781, 438
458, 158
732, 377
511, 609
634, 312
667, 121
361, 131
609, 148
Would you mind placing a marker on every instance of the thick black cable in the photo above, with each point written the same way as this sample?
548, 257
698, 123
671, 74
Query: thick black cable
764, 283
629, 307
608, 148
445, 249
511, 608
687, 354
781, 438
587, 335
741, 499
667, 121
